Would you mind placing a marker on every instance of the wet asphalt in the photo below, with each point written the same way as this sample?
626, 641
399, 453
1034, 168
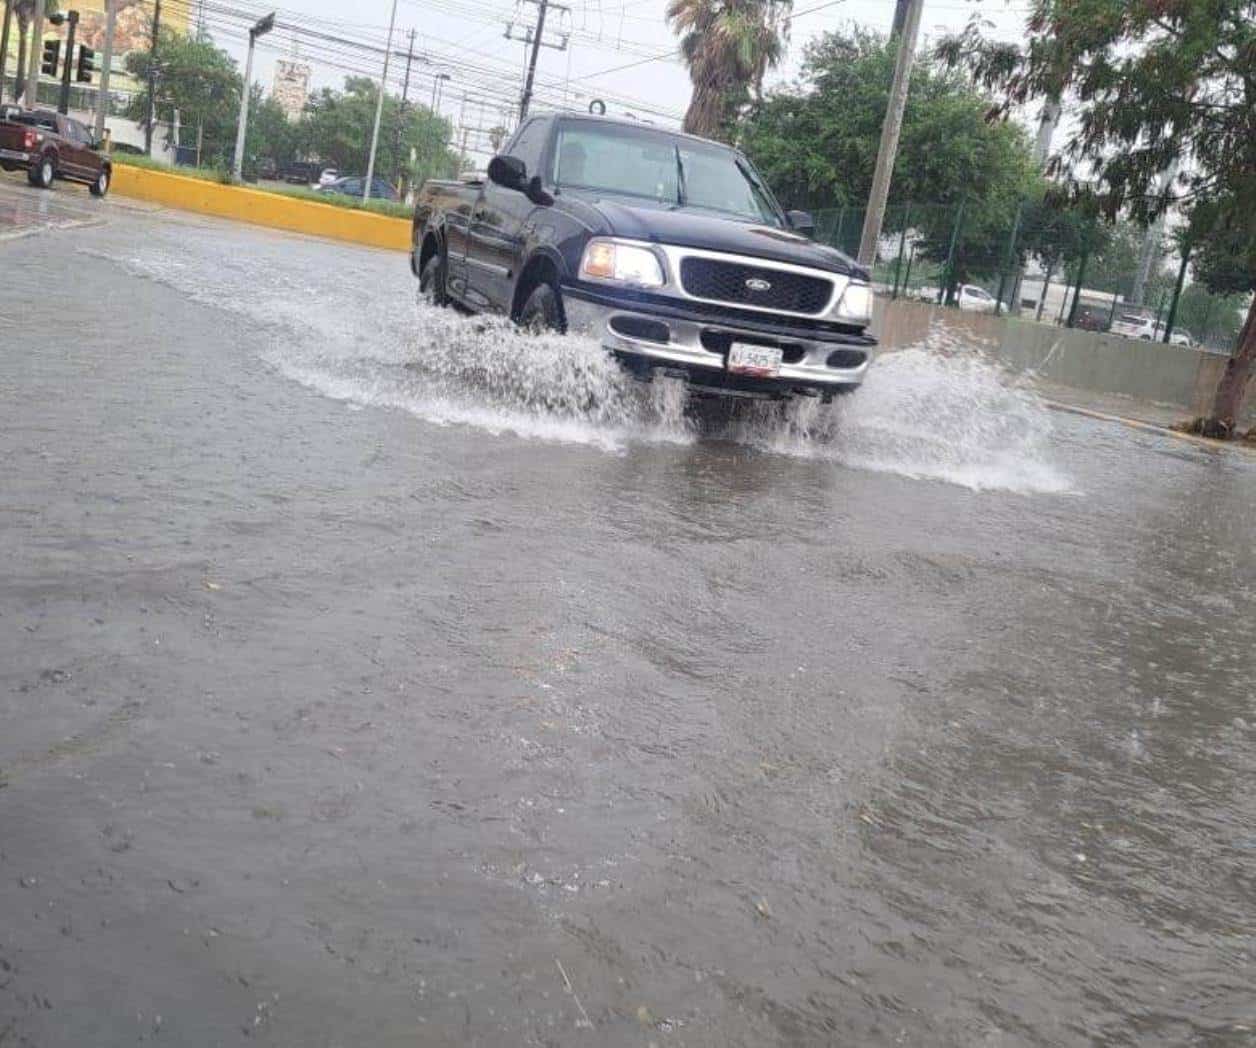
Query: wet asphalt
355, 694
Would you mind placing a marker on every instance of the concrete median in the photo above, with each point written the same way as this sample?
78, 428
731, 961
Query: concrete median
262, 208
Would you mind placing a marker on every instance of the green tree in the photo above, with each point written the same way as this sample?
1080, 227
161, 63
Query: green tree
199, 80
1213, 320
336, 128
270, 135
816, 144
728, 46
1152, 83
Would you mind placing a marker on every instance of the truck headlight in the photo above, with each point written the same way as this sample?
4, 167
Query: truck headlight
855, 305
621, 263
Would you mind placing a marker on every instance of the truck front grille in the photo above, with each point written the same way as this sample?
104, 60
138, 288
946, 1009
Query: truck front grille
775, 290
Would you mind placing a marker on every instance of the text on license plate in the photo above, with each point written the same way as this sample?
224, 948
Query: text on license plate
745, 359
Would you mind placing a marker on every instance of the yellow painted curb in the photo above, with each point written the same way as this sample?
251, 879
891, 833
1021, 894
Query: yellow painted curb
261, 208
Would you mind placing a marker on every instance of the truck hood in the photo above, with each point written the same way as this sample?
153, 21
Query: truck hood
663, 224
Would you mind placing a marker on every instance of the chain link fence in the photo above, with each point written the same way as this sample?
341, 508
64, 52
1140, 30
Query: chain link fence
1045, 264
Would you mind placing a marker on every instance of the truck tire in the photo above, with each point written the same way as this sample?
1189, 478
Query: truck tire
432, 279
101, 186
543, 310
42, 174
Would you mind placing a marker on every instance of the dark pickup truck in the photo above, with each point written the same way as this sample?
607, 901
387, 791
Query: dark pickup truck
668, 249
48, 146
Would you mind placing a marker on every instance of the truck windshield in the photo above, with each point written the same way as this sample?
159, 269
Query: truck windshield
650, 165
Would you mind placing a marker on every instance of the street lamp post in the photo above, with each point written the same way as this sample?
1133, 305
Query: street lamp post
379, 107
261, 28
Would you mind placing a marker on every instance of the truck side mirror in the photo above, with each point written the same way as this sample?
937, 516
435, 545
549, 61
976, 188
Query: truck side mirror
509, 172
801, 222
535, 192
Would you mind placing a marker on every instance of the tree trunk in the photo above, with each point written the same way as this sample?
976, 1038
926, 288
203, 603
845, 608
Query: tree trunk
19, 80
1046, 284
1234, 382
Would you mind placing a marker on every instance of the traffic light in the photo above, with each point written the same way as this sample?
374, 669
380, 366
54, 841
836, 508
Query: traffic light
86, 65
52, 51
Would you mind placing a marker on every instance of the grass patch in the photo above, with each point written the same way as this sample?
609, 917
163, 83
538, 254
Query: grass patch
380, 207
223, 177
203, 174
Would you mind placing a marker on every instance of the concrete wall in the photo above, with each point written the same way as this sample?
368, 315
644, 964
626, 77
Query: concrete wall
1102, 363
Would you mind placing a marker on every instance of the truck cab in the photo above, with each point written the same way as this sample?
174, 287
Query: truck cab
50, 146
668, 249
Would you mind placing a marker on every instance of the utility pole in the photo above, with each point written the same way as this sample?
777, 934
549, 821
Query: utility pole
1152, 238
35, 57
379, 107
405, 102
63, 103
890, 130
542, 6
102, 96
259, 28
436, 82
535, 38
1046, 131
1042, 149
152, 80
900, 17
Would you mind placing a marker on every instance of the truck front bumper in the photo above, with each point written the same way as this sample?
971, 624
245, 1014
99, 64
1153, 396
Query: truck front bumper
673, 337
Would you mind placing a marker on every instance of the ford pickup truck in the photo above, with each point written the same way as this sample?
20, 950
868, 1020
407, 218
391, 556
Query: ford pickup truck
668, 249
48, 146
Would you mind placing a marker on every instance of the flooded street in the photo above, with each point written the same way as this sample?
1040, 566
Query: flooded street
376, 676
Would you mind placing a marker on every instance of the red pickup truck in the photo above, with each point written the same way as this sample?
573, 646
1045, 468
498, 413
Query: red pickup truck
49, 146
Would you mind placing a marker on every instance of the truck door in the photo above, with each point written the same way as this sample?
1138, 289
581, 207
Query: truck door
84, 160
457, 226
69, 149
495, 242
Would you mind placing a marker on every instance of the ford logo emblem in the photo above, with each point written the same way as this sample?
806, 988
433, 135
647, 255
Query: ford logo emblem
758, 284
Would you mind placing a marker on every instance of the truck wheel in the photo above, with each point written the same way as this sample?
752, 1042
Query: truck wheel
432, 280
101, 186
42, 174
543, 311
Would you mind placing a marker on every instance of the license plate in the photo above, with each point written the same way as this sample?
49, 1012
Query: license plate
761, 361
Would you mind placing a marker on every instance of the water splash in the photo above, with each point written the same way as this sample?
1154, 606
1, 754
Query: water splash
937, 411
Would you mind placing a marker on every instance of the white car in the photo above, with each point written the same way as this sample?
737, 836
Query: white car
1182, 337
968, 297
329, 175
1136, 325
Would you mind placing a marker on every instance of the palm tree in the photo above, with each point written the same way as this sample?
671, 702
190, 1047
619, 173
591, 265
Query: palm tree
728, 45
24, 11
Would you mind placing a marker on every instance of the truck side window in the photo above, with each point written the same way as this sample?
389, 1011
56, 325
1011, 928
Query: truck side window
528, 144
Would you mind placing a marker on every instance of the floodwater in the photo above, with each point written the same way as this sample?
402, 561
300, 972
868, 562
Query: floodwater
371, 675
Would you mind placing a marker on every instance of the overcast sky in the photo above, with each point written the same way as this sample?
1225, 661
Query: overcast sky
610, 47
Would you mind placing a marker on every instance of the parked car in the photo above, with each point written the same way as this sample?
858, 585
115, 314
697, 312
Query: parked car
328, 176
971, 298
1137, 325
1182, 337
668, 249
353, 185
300, 172
48, 146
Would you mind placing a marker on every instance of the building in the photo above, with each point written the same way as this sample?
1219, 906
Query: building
132, 32
291, 86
